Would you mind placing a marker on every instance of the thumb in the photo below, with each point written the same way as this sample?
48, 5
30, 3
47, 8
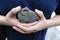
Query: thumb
39, 13
13, 11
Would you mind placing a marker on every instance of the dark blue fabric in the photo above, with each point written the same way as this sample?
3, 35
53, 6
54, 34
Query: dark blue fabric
47, 6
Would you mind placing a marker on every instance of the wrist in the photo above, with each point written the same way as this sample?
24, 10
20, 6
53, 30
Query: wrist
44, 24
3, 21
49, 23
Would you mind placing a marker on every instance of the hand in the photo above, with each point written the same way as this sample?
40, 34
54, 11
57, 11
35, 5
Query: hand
40, 25
10, 18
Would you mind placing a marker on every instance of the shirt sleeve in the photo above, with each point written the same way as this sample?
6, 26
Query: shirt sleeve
58, 9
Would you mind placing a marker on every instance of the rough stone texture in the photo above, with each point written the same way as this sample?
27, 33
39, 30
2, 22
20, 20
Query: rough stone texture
25, 15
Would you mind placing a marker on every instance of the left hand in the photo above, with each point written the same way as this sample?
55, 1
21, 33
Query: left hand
29, 28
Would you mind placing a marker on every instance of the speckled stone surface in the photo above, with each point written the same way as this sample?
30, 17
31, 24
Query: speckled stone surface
25, 15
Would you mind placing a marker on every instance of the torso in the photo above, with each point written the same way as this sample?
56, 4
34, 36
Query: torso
47, 6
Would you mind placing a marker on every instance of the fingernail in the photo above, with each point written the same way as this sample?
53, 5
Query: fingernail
14, 27
36, 9
18, 7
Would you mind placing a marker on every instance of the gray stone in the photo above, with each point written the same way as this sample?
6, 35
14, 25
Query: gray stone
25, 15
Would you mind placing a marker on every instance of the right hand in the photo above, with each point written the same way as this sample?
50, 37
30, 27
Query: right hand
11, 19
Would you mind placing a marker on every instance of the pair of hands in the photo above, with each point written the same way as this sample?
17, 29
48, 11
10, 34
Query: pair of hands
25, 28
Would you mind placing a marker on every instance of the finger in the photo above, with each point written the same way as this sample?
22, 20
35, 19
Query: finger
22, 27
29, 29
40, 13
19, 30
29, 24
14, 11
26, 29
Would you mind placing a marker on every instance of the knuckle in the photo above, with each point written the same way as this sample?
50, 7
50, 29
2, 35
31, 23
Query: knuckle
13, 10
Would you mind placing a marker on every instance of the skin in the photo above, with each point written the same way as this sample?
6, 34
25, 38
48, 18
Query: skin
25, 28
